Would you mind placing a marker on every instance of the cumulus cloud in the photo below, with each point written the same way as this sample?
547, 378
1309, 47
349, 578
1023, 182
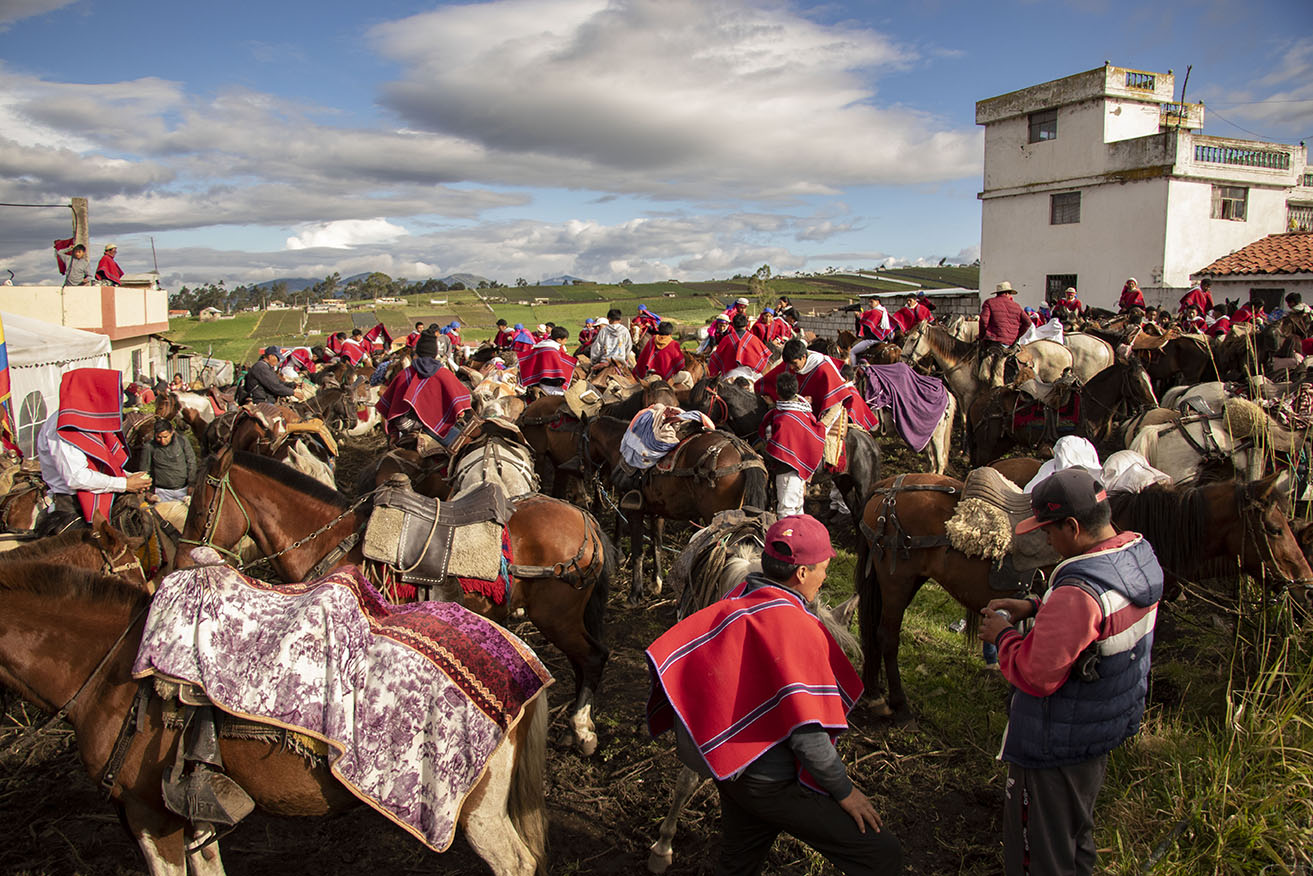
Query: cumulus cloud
346, 233
16, 10
1278, 103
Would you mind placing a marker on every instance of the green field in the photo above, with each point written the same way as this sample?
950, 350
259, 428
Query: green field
692, 305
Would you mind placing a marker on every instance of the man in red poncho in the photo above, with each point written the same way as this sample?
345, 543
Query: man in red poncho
755, 689
108, 271
1250, 311
378, 339
413, 337
1200, 296
425, 397
772, 329
739, 353
81, 450
646, 321
1068, 306
910, 315
502, 340
546, 365
1131, 296
820, 382
795, 445
661, 355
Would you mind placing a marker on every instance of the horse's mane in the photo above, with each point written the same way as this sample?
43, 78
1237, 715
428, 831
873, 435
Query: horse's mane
302, 483
946, 344
45, 546
61, 581
1174, 521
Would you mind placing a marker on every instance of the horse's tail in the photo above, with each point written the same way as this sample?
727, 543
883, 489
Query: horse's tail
870, 605
595, 610
526, 804
754, 478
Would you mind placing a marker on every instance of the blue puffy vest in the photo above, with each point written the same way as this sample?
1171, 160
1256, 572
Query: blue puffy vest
1085, 719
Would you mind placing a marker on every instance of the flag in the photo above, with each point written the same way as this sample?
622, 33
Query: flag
8, 434
59, 258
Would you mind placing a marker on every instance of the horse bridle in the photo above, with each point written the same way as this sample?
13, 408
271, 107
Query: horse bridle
1247, 503
223, 489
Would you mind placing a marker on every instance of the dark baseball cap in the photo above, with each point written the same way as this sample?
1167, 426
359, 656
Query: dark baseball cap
272, 351
1072, 492
800, 539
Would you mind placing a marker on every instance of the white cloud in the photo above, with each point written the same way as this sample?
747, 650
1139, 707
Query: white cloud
16, 10
347, 233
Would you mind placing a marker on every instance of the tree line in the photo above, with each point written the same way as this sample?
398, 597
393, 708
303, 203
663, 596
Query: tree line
376, 285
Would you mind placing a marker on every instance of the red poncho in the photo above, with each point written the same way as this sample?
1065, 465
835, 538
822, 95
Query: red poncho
1248, 313
737, 349
436, 401
665, 361
647, 321
821, 383
545, 360
91, 419
794, 436
1220, 326
352, 350
874, 323
587, 336
905, 319
109, 270
412, 339
503, 338
743, 673
1131, 297
378, 338
1199, 297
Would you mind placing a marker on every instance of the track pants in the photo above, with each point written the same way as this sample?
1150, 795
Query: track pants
1048, 819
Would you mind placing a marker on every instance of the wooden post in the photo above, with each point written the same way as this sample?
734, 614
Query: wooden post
81, 230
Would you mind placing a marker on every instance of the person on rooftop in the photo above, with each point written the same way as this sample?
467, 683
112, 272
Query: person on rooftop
108, 271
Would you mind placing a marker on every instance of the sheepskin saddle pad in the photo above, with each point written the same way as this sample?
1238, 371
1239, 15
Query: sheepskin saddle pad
986, 518
426, 539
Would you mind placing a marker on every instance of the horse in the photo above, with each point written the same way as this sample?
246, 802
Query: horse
331, 404
98, 548
707, 473
68, 638
562, 569
905, 545
1112, 395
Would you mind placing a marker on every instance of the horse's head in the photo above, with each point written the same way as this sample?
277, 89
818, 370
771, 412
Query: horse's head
1268, 540
122, 554
916, 346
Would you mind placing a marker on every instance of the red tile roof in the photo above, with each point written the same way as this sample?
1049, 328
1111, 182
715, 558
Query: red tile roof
1275, 254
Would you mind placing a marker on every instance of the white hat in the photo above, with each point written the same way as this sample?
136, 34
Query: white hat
110, 246
742, 301
602, 320
722, 317
1005, 286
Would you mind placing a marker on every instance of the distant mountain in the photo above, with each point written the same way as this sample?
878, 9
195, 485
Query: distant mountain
563, 280
294, 284
471, 281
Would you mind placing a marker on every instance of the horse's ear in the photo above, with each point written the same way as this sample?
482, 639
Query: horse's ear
98, 524
1265, 487
223, 461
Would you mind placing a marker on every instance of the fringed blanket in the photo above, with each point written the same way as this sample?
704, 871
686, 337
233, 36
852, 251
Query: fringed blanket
412, 699
916, 402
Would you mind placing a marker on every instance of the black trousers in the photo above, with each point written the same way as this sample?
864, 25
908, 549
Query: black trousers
753, 812
1048, 819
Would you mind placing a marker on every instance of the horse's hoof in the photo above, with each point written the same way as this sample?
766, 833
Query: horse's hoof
880, 709
658, 862
586, 745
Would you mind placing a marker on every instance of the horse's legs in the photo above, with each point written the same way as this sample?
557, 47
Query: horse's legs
636, 549
488, 827
160, 838
891, 625
206, 862
662, 854
658, 534
587, 658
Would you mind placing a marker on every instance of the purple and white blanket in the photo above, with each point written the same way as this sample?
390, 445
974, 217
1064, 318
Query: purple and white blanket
413, 700
916, 402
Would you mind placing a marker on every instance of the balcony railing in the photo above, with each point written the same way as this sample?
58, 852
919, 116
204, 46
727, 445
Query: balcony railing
1299, 218
1269, 159
1140, 81
1181, 115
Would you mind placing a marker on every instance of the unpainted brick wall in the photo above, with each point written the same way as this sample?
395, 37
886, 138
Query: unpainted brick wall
947, 306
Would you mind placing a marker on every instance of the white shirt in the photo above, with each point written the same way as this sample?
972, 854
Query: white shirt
65, 468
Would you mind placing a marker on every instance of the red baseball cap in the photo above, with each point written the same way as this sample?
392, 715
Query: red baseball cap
1072, 492
800, 539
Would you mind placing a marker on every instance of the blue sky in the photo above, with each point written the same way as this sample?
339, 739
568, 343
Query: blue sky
530, 138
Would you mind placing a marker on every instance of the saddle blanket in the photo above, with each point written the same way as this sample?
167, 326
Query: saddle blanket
413, 700
916, 402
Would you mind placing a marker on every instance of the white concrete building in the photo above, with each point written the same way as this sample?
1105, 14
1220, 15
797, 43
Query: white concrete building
1100, 176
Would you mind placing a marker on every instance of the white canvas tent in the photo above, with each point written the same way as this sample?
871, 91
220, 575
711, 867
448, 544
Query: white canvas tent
39, 354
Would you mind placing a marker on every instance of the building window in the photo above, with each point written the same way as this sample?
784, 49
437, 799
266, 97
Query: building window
1229, 202
1308, 178
1299, 217
1055, 285
31, 417
1044, 126
1271, 299
1064, 208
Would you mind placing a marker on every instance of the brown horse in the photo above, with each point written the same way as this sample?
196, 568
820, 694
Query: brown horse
561, 569
99, 548
905, 545
709, 472
68, 638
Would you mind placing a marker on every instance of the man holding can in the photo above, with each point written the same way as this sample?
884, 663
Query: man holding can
1079, 676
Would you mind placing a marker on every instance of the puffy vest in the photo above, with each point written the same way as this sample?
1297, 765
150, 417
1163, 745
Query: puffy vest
1085, 719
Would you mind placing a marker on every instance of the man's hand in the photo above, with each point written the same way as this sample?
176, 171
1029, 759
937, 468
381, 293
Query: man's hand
858, 805
1020, 609
138, 481
993, 624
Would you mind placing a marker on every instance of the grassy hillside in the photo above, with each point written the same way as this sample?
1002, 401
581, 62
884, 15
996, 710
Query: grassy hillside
686, 304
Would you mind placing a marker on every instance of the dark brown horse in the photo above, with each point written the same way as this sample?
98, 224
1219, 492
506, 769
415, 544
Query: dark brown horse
1187, 528
1113, 395
98, 548
562, 561
68, 638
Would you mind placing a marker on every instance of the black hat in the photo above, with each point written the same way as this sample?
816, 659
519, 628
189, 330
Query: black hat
1072, 492
427, 345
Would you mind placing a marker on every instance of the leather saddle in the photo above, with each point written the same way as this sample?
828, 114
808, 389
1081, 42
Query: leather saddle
984, 524
426, 539
1056, 395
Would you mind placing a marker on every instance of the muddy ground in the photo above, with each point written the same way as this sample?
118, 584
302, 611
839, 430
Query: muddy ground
936, 787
